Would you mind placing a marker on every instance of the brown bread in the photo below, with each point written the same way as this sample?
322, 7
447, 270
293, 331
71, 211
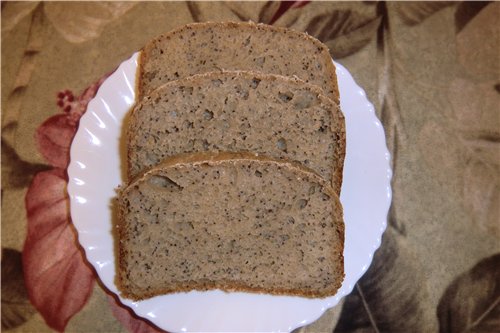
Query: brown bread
239, 111
206, 47
232, 221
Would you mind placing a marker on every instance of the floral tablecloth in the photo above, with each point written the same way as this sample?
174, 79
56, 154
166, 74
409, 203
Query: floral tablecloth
432, 70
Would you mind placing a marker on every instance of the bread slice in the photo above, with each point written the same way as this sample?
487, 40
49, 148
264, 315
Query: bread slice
230, 221
206, 47
239, 111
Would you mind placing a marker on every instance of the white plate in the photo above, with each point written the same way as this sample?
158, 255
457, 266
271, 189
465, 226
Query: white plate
94, 173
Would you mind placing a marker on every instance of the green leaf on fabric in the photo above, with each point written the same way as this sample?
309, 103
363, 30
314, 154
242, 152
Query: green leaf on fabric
16, 307
391, 296
413, 13
17, 173
344, 27
471, 303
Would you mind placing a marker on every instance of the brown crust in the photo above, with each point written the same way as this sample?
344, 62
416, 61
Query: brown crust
234, 286
212, 158
325, 53
337, 115
139, 75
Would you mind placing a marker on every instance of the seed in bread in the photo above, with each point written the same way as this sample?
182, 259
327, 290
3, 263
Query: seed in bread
236, 222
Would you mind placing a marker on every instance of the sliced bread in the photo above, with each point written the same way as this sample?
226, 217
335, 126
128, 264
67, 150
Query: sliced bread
205, 47
230, 221
239, 111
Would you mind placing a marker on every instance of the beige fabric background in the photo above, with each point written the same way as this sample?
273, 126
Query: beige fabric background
432, 70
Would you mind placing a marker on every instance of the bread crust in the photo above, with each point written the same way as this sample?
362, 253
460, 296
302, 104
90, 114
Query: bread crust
251, 27
235, 286
212, 158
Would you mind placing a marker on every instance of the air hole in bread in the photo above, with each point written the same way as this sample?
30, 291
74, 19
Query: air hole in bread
164, 183
281, 144
217, 82
255, 83
207, 114
302, 203
260, 61
286, 97
247, 41
305, 101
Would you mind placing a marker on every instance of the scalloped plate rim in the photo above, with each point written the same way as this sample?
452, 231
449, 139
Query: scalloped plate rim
87, 141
